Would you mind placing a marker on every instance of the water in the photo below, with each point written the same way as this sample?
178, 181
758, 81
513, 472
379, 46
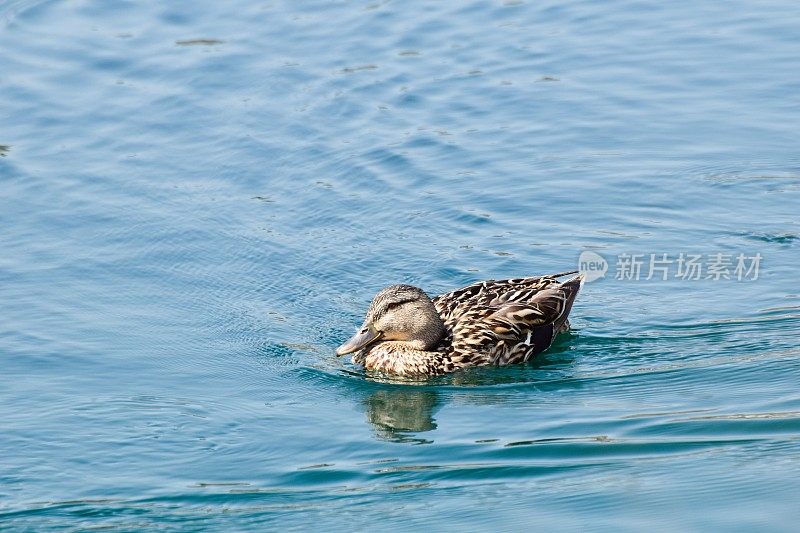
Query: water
199, 199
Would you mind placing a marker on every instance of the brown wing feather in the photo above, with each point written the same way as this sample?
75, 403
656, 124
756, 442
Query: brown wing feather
453, 304
505, 322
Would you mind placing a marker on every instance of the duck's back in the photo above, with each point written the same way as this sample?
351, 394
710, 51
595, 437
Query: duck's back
505, 321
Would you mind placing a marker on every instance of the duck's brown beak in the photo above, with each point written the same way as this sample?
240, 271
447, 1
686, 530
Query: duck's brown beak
365, 336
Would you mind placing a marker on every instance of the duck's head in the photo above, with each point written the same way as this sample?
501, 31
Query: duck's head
400, 313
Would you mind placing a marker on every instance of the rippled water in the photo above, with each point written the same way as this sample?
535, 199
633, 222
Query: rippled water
199, 199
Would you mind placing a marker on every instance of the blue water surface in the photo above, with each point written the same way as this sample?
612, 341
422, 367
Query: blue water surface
199, 199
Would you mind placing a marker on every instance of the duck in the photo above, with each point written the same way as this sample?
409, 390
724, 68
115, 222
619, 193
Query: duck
492, 322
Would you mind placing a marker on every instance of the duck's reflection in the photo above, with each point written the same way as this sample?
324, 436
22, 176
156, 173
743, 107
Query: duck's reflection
397, 413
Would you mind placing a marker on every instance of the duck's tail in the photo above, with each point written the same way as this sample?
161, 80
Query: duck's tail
562, 274
571, 288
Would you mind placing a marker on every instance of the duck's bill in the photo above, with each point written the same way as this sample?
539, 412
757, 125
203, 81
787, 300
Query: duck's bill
358, 341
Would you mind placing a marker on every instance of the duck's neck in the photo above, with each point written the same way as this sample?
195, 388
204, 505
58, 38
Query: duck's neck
406, 358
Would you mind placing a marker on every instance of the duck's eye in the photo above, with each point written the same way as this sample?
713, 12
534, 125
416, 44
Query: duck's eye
364, 330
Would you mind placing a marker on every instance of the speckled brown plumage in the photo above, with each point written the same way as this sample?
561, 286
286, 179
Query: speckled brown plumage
495, 322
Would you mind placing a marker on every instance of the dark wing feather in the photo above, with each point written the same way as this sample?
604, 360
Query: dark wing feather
542, 307
505, 322
453, 304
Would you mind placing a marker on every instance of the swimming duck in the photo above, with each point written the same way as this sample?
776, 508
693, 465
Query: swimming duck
494, 322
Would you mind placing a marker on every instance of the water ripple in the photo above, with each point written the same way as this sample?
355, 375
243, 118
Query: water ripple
200, 201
